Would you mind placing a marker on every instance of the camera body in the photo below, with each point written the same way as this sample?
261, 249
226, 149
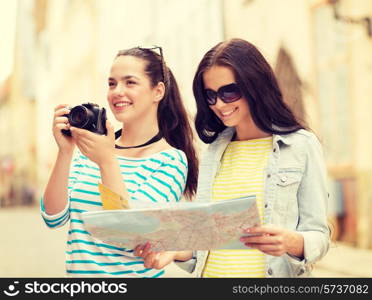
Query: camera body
87, 116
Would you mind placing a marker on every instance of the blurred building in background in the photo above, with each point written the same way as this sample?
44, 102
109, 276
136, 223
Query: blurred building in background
321, 51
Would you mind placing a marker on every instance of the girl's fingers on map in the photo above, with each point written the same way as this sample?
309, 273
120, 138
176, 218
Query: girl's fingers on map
138, 250
158, 260
142, 250
150, 260
156, 264
146, 249
163, 259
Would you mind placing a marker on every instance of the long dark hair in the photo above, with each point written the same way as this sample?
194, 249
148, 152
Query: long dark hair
172, 116
258, 85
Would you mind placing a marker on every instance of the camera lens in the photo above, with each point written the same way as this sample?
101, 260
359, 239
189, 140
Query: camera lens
80, 116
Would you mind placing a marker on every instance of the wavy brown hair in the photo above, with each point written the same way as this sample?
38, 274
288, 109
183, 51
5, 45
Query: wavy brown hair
257, 83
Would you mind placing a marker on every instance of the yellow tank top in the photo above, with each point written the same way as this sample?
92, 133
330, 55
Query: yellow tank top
241, 173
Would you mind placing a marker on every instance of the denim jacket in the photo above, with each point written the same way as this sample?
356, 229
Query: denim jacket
295, 198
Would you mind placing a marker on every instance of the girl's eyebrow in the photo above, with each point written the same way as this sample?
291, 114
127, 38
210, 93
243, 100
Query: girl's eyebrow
125, 77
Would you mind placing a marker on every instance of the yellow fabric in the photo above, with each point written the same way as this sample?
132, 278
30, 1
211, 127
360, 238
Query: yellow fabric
111, 200
241, 174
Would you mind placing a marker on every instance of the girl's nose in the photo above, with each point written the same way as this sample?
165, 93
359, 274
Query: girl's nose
219, 103
119, 89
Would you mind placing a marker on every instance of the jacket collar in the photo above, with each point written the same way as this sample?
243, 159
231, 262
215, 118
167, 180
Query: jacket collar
285, 139
219, 145
227, 134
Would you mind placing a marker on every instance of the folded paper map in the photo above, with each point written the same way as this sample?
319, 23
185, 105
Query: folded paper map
111, 200
179, 226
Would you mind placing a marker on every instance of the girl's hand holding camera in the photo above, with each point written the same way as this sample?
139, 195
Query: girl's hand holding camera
60, 121
98, 148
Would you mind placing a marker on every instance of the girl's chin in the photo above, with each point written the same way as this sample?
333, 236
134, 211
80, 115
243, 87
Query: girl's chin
120, 118
123, 118
229, 123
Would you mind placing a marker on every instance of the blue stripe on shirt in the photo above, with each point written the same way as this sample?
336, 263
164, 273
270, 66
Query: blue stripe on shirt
51, 224
86, 174
87, 192
77, 210
131, 181
130, 263
147, 195
77, 221
168, 186
96, 244
134, 173
78, 231
86, 201
95, 253
173, 158
157, 191
86, 166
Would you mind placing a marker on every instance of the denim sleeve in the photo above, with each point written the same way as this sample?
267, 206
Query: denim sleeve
312, 201
188, 266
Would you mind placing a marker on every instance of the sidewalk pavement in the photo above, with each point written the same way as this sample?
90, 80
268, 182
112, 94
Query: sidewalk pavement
343, 260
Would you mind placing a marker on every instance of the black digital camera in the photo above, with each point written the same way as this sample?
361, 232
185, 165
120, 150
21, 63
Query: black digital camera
87, 116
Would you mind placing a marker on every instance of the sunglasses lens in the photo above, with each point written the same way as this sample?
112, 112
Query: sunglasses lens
230, 93
211, 97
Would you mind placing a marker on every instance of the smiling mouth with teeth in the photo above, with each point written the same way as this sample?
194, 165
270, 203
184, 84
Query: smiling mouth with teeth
122, 104
228, 113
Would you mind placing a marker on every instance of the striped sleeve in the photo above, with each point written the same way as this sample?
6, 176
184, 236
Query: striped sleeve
167, 179
56, 220
61, 218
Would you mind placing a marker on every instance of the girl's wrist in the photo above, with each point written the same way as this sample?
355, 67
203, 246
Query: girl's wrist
108, 163
182, 255
64, 153
295, 245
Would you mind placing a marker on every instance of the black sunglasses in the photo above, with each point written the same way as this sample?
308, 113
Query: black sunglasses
154, 48
227, 93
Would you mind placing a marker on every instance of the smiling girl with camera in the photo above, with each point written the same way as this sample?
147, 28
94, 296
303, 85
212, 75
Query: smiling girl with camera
153, 161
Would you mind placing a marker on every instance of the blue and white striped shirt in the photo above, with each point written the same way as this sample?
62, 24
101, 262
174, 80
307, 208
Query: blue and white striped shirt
158, 178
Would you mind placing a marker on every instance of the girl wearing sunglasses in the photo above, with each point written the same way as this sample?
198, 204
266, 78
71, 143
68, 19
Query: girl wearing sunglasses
152, 161
257, 147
